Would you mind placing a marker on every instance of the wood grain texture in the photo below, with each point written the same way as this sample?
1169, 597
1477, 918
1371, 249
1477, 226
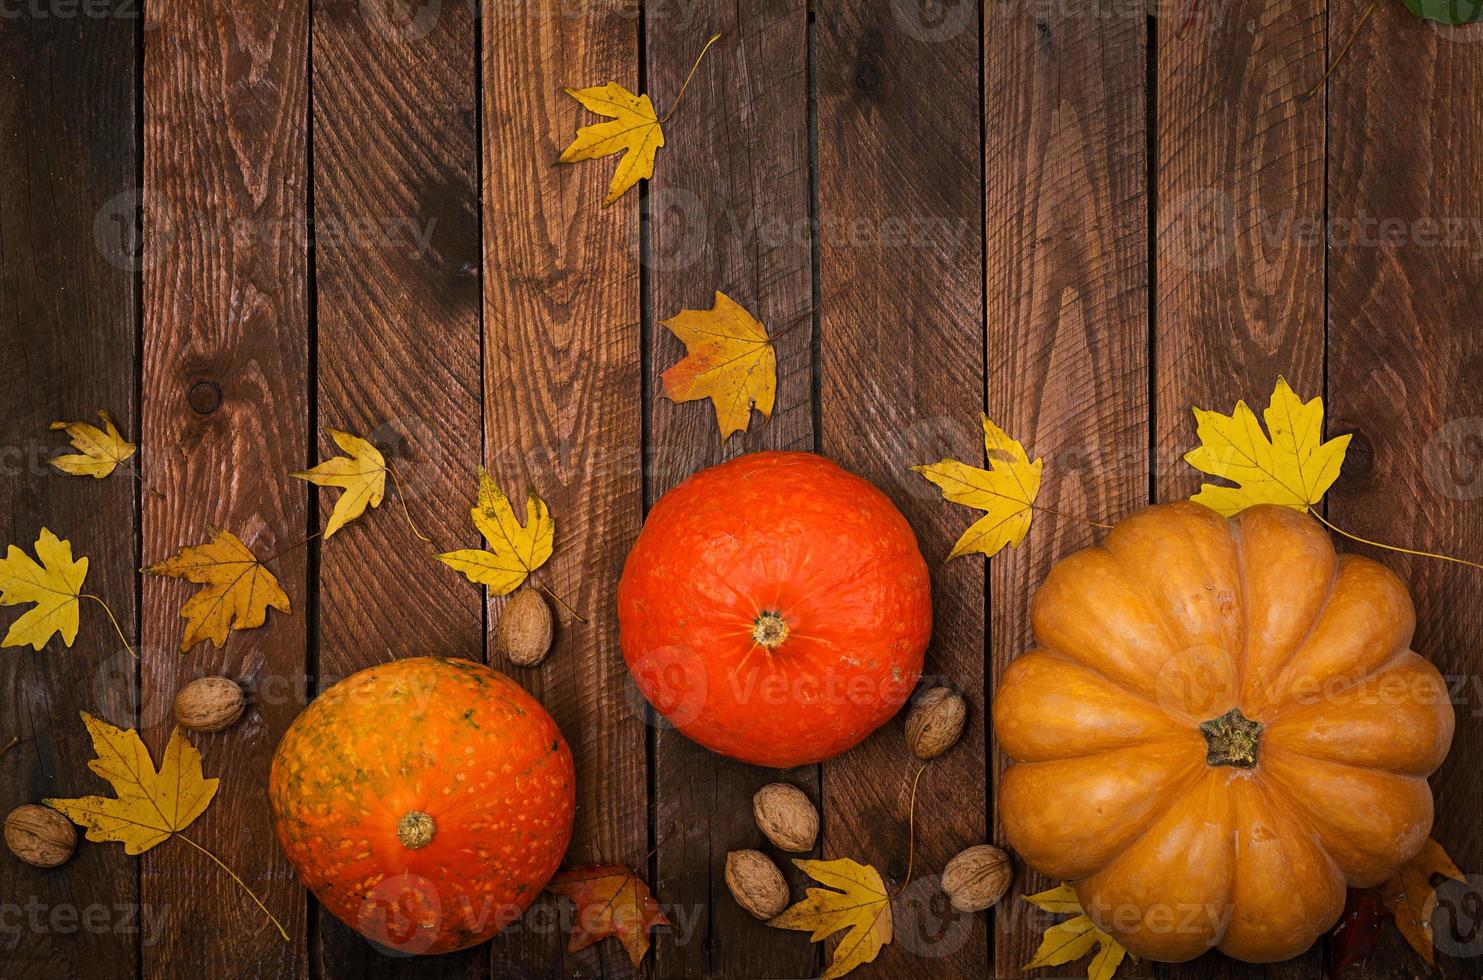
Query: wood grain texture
225, 404
1406, 374
68, 328
729, 211
396, 218
563, 413
1239, 249
1239, 274
1066, 247
901, 307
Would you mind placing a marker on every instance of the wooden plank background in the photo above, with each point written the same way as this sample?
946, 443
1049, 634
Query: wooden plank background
235, 226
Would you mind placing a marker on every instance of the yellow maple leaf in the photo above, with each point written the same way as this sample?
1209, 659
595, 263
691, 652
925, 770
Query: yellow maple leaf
1075, 937
1294, 467
362, 475
730, 360
514, 550
149, 805
54, 585
1006, 492
1412, 898
856, 899
99, 452
636, 130
238, 589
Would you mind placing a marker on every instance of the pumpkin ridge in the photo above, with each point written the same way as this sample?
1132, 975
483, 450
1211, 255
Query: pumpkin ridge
1279, 668
1179, 785
1243, 583
1065, 658
1277, 709
1137, 585
1280, 804
1297, 800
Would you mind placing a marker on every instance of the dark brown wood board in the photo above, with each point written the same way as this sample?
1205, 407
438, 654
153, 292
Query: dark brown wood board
1066, 333
728, 210
1238, 264
396, 263
225, 401
563, 413
68, 345
1405, 360
902, 382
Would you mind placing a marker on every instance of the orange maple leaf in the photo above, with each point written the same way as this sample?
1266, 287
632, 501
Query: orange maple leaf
611, 901
1412, 897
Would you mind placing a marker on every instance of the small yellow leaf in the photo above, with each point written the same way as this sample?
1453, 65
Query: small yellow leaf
730, 360
514, 550
150, 805
100, 452
1293, 468
635, 132
1075, 937
55, 585
362, 475
1411, 896
860, 904
1060, 899
238, 591
1006, 492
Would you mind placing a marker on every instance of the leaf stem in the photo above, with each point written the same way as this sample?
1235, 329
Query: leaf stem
911, 832
401, 495
559, 600
1390, 547
1353, 36
1070, 517
128, 465
271, 917
676, 104
283, 551
14, 741
116, 628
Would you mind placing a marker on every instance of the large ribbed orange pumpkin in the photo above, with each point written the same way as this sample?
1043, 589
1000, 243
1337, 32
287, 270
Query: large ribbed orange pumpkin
1222, 726
775, 608
425, 802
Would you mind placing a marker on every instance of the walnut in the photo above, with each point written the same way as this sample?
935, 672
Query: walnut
209, 704
524, 630
935, 722
786, 816
39, 835
756, 883
977, 877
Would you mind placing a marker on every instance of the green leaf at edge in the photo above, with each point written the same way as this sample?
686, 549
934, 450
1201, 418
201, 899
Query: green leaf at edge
1452, 12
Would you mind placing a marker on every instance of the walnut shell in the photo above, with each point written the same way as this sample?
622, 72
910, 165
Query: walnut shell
39, 835
756, 883
209, 704
523, 632
786, 816
935, 722
977, 878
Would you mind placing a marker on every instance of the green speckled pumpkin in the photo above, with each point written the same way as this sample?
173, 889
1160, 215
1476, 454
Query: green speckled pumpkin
425, 802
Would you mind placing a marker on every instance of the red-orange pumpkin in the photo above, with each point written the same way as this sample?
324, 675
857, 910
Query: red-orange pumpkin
1222, 727
425, 802
775, 608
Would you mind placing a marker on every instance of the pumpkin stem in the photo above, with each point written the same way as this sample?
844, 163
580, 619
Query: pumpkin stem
1232, 740
415, 829
770, 630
